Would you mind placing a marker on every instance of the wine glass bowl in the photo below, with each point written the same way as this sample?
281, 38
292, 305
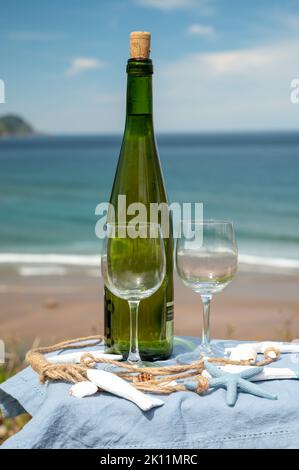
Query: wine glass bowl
207, 263
133, 267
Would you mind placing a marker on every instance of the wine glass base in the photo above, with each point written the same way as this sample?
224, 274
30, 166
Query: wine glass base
141, 363
210, 350
200, 352
134, 359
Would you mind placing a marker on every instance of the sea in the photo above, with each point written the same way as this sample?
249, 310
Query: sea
51, 185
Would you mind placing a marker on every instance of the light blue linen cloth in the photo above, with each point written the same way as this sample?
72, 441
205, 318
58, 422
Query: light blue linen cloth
187, 420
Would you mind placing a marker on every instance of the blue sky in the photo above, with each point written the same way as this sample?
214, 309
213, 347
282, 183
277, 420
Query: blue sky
219, 64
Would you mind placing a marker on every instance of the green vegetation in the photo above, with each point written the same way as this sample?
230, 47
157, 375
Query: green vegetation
8, 427
11, 125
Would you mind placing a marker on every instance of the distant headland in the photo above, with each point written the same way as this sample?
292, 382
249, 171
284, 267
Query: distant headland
13, 125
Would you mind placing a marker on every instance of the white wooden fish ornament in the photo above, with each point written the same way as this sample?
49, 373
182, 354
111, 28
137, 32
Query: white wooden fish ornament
112, 383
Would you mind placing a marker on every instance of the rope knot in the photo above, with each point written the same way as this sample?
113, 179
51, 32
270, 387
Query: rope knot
88, 360
275, 353
202, 384
143, 377
43, 375
46, 372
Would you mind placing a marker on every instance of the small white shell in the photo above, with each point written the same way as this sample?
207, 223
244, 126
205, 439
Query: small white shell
83, 389
243, 352
206, 374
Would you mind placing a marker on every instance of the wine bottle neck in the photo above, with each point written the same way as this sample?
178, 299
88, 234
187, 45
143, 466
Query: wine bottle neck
139, 88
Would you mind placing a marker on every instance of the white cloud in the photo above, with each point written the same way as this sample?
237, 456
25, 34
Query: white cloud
170, 4
234, 62
229, 90
34, 36
197, 29
81, 64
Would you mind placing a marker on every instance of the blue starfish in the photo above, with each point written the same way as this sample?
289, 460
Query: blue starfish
234, 382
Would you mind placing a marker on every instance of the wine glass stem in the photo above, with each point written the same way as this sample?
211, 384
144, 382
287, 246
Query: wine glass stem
206, 300
134, 355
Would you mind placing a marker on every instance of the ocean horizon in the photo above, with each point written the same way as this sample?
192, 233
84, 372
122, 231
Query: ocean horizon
51, 185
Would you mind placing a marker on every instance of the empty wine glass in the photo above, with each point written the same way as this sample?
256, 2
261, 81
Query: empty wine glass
133, 267
206, 261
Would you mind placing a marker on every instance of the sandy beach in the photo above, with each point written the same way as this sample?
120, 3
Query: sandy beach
45, 309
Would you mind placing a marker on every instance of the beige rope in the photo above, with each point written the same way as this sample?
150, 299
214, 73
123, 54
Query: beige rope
69, 372
147, 379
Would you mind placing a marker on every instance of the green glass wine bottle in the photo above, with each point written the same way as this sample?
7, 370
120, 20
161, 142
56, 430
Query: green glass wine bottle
139, 178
